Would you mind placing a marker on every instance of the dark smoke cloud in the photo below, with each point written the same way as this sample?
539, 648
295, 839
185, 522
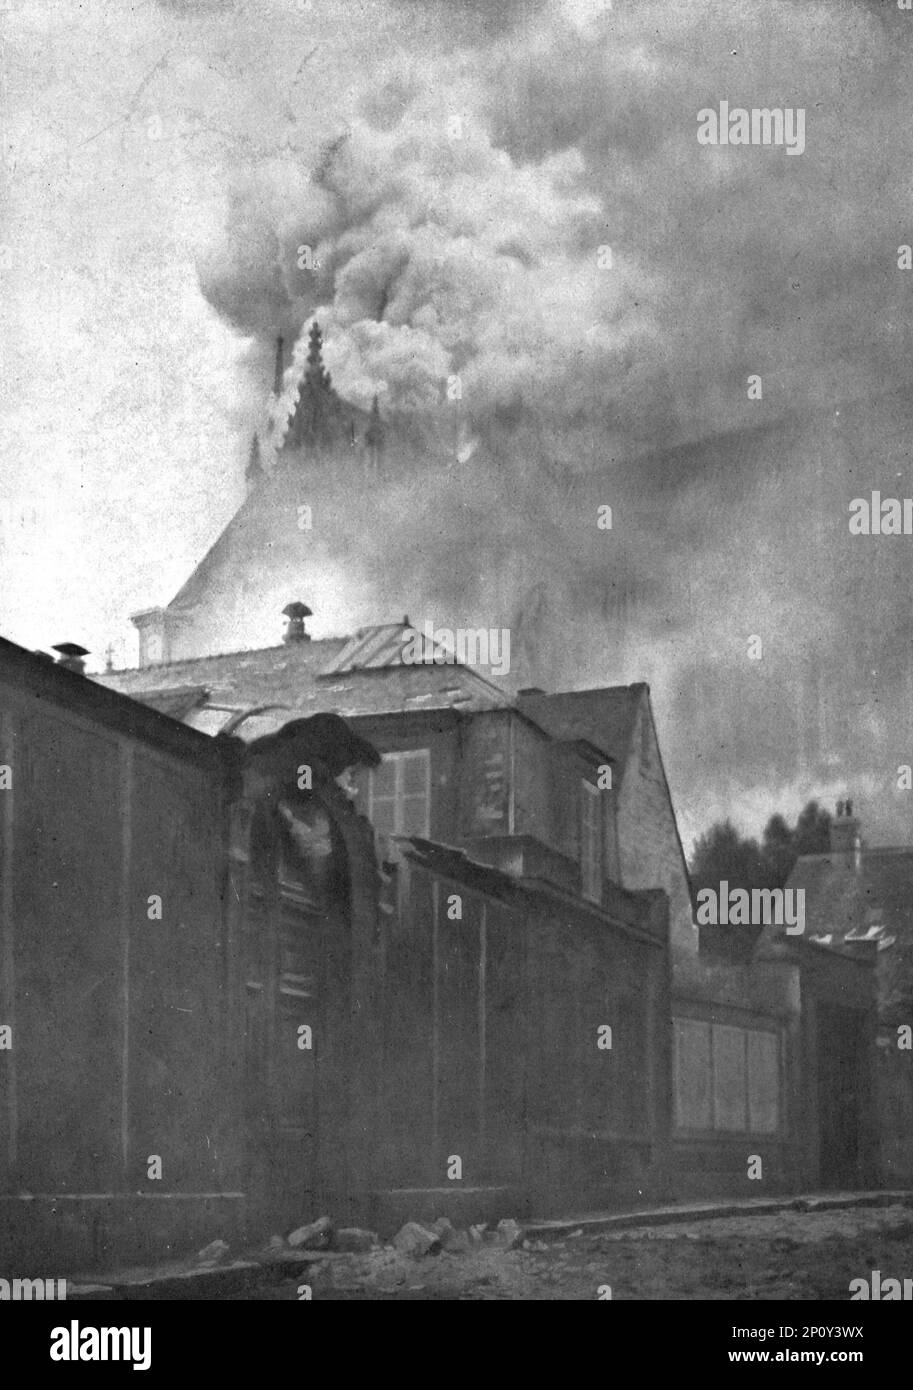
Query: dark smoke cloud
455, 222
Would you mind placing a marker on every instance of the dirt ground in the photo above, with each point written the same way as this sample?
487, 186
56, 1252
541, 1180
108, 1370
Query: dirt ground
788, 1255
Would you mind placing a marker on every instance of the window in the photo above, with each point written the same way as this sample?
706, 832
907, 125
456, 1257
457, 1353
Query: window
591, 838
729, 1100
726, 1078
693, 1075
763, 1081
399, 793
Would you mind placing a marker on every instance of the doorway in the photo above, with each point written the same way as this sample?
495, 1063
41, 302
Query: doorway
839, 1056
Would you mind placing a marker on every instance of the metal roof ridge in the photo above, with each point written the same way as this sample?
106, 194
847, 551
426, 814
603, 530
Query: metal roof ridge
216, 656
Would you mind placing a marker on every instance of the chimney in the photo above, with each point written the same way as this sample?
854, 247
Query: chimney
846, 845
280, 367
72, 657
296, 613
153, 636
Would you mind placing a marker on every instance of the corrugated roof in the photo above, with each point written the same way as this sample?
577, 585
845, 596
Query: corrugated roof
372, 648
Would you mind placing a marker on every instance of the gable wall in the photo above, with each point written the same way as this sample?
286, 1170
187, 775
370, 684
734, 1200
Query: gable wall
650, 852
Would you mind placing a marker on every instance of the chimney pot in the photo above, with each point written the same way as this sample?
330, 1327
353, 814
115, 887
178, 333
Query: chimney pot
296, 613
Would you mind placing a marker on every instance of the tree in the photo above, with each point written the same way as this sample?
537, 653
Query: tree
778, 850
721, 853
812, 833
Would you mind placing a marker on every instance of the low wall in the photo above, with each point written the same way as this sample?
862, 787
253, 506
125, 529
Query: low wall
57, 1236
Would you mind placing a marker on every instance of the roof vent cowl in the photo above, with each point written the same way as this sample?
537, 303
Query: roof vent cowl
296, 613
72, 657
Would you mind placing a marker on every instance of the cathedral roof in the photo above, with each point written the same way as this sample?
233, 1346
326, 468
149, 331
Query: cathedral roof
320, 418
325, 445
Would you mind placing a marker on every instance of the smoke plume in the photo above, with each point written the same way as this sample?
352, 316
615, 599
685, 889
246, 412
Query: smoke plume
516, 202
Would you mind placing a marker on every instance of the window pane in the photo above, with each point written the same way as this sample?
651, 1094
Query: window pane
399, 802
384, 777
590, 842
383, 815
414, 816
415, 773
729, 1100
763, 1081
692, 1074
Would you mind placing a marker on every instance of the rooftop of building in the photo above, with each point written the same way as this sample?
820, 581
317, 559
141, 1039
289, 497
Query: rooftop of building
252, 692
855, 895
63, 683
362, 674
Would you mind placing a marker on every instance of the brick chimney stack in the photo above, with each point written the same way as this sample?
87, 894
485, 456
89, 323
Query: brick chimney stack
846, 844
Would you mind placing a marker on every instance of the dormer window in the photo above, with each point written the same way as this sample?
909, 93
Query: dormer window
399, 793
591, 841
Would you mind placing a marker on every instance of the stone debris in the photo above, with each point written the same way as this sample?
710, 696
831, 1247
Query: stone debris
507, 1233
454, 1242
789, 1254
413, 1239
316, 1236
353, 1240
319, 1279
